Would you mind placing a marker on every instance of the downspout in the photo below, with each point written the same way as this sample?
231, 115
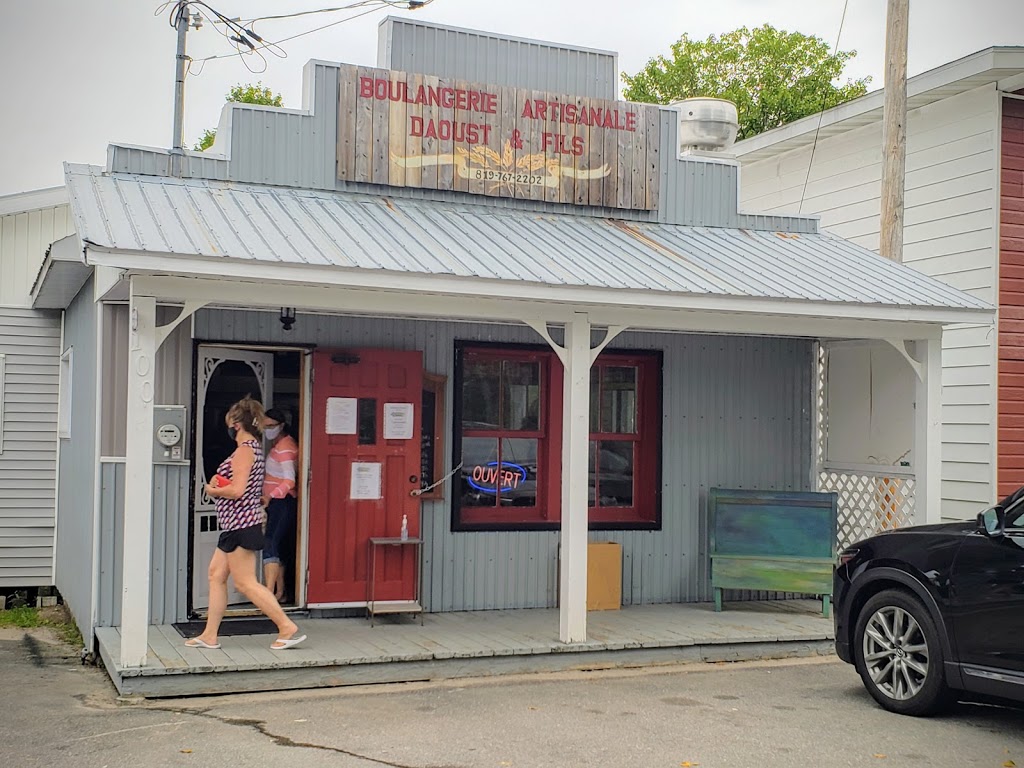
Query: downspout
97, 486
56, 485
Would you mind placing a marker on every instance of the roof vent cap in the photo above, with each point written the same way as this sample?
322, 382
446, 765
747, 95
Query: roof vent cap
706, 124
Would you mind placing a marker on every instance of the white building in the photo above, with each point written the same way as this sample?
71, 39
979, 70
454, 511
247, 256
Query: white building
30, 355
961, 138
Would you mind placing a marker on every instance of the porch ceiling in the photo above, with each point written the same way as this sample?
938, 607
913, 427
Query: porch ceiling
298, 234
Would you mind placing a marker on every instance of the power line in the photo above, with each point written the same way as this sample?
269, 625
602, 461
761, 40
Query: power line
407, 4
246, 41
821, 113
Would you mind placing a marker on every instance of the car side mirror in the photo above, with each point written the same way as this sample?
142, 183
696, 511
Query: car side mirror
991, 521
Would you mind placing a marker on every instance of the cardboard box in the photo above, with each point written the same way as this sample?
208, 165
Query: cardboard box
604, 576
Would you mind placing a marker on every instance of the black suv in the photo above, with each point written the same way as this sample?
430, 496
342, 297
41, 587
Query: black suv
926, 611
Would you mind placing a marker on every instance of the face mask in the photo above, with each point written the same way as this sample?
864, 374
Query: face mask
272, 432
232, 433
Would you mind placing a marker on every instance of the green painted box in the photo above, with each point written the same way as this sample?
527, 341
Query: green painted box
776, 542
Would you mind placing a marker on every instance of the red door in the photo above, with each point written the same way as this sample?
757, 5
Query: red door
351, 392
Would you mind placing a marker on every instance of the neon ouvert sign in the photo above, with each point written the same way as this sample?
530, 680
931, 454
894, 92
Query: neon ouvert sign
498, 476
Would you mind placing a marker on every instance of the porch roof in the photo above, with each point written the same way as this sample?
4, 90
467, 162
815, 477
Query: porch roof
191, 219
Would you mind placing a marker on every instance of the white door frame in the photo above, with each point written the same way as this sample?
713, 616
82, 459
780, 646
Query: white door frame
262, 364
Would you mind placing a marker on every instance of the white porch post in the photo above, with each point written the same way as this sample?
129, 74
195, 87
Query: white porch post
572, 627
138, 483
928, 432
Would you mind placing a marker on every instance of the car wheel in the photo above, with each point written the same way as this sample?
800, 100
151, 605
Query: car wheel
898, 654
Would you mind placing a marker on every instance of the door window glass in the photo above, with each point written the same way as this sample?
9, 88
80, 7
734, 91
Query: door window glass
230, 381
366, 420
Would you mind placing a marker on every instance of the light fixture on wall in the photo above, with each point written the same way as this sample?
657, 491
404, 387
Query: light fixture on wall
287, 317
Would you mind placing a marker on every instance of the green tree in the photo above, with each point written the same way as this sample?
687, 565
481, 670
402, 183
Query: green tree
247, 93
773, 76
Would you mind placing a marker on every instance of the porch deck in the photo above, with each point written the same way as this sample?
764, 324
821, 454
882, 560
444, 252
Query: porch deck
349, 652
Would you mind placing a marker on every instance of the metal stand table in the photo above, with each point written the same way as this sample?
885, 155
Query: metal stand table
393, 606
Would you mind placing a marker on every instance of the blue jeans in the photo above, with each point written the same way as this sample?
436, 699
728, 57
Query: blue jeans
280, 524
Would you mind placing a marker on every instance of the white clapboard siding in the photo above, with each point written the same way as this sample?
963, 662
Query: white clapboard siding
24, 238
30, 345
949, 233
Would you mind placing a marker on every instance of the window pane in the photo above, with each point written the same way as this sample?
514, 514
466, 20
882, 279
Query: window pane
618, 400
481, 386
366, 416
595, 399
479, 487
615, 473
592, 464
518, 475
521, 395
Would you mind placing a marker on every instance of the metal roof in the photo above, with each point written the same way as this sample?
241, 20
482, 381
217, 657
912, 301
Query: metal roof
1002, 65
213, 219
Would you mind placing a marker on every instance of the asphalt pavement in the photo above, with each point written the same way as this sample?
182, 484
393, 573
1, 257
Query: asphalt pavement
56, 712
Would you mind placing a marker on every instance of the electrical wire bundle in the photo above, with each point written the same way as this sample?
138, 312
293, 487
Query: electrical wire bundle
242, 35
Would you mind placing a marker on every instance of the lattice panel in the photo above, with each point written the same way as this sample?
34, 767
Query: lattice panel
869, 504
821, 413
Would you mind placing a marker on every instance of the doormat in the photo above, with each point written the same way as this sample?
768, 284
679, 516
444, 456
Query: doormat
229, 627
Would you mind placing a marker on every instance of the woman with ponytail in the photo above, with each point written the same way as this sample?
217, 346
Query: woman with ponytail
237, 489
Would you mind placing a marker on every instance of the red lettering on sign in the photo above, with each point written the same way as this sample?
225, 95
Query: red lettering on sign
447, 130
366, 87
631, 121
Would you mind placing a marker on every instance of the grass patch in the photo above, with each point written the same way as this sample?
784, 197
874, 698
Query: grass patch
23, 617
57, 619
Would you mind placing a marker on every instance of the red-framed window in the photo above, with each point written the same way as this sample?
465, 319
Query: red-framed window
508, 438
508, 402
625, 440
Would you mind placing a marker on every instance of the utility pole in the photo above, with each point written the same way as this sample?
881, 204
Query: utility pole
183, 18
894, 129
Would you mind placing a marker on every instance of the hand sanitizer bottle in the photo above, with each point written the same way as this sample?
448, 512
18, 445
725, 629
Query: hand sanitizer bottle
405, 527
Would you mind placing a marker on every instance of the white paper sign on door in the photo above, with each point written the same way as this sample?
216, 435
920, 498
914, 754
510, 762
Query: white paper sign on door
398, 421
341, 416
365, 480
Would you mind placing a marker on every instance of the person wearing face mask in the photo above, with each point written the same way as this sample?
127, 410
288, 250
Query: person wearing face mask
279, 499
237, 489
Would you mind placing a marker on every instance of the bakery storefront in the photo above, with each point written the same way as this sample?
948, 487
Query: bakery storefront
510, 320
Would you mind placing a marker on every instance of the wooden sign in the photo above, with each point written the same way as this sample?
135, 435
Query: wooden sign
409, 130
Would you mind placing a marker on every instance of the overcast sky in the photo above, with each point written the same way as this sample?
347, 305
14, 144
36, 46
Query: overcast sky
79, 74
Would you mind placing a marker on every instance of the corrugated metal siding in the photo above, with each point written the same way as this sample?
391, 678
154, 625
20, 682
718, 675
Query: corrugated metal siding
277, 225
24, 238
411, 46
1011, 301
168, 542
736, 414
173, 384
78, 463
30, 344
282, 148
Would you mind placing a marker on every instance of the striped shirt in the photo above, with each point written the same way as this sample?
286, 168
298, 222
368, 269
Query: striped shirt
247, 510
281, 468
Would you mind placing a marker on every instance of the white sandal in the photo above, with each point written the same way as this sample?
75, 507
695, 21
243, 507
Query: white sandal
282, 644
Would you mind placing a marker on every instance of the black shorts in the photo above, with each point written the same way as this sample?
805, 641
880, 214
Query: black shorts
250, 538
